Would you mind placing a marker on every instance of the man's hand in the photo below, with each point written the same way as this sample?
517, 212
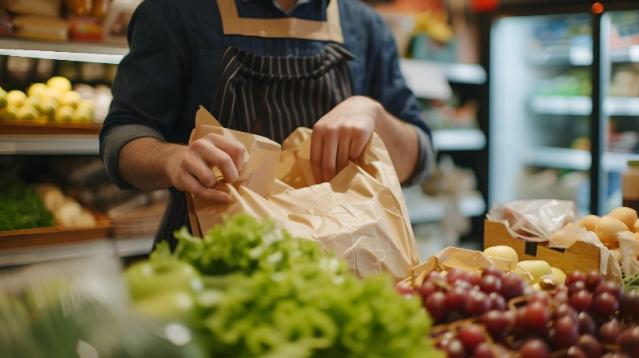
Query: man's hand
342, 134
189, 167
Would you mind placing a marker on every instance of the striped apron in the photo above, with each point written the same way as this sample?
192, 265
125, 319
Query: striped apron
269, 95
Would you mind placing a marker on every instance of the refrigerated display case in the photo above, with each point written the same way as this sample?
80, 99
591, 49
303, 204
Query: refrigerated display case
564, 102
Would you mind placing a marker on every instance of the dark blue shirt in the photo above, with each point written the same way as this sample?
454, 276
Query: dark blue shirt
175, 58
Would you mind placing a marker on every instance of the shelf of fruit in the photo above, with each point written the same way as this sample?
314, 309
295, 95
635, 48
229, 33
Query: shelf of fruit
66, 51
581, 105
581, 56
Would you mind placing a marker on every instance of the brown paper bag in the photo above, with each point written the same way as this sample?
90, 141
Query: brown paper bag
360, 215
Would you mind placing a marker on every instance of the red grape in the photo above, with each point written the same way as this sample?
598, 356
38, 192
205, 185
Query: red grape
473, 278
615, 355
493, 271
575, 276
566, 332
496, 323
609, 286
455, 298
539, 296
427, 289
534, 348
581, 301
609, 331
586, 324
593, 278
605, 304
455, 275
436, 305
497, 302
535, 317
575, 352
484, 350
455, 349
629, 305
565, 310
470, 337
590, 345
477, 303
404, 290
576, 287
490, 284
628, 341
512, 286
560, 296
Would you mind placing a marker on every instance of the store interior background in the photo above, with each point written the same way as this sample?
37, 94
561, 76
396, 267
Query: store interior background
506, 86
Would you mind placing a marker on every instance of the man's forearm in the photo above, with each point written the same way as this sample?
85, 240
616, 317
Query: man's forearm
143, 162
401, 142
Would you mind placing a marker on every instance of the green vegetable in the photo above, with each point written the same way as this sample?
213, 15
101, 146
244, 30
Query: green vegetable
160, 276
20, 206
631, 282
267, 294
245, 245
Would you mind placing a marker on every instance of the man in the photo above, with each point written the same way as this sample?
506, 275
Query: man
261, 66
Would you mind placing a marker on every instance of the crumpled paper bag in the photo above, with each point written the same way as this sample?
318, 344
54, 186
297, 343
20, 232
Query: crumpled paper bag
455, 258
629, 249
360, 215
534, 220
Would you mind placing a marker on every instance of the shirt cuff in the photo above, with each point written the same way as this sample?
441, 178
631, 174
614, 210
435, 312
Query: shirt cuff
112, 143
425, 159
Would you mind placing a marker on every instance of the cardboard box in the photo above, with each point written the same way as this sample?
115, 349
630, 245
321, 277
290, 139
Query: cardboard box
580, 256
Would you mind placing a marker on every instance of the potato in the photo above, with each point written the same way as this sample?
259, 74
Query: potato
589, 222
533, 270
626, 215
607, 230
635, 227
502, 252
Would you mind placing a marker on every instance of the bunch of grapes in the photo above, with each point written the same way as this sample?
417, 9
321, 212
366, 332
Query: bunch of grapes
494, 313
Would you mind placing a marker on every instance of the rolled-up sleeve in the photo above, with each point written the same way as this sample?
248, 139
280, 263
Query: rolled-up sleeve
148, 88
388, 87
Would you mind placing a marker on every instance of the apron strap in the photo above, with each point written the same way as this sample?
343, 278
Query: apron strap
286, 27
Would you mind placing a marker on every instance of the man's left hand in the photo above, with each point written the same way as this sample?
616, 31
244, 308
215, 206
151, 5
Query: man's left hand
342, 134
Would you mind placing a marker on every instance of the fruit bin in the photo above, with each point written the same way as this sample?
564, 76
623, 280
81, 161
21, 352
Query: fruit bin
581, 256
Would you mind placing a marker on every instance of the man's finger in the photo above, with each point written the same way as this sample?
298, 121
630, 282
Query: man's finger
358, 144
192, 185
317, 144
329, 155
232, 147
196, 167
343, 151
214, 156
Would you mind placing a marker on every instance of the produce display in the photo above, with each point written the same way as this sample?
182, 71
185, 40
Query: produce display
53, 101
609, 226
497, 314
20, 206
66, 210
248, 289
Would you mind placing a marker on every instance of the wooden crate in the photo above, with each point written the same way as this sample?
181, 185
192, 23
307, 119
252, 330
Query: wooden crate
580, 256
48, 128
54, 234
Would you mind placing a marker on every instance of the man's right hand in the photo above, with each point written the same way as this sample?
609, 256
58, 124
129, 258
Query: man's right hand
189, 168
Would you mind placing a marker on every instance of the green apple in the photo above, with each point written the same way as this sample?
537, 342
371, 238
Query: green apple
156, 277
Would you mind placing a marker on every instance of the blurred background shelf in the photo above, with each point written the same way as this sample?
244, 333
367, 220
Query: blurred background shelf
563, 158
424, 209
49, 144
582, 106
67, 51
581, 56
121, 247
455, 72
458, 139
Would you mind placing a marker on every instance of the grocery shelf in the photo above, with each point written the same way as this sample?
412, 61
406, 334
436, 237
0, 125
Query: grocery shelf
424, 209
67, 51
121, 247
563, 158
455, 72
458, 139
581, 56
49, 144
582, 105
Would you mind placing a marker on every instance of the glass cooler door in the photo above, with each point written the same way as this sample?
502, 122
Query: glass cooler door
540, 108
